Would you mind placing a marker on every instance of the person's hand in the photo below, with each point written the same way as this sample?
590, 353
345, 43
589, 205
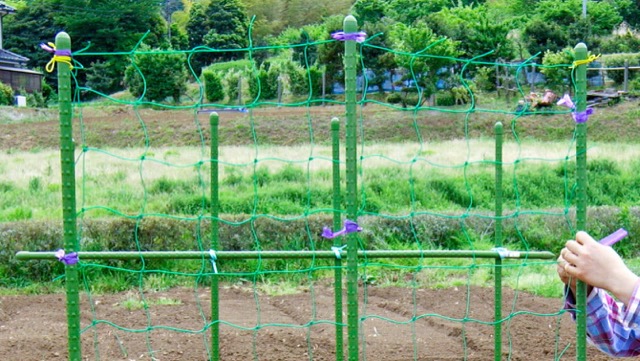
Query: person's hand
566, 278
597, 265
562, 273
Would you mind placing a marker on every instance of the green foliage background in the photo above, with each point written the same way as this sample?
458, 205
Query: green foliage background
499, 29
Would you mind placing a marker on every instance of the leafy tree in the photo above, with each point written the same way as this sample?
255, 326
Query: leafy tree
627, 42
195, 27
264, 82
227, 27
369, 11
221, 25
111, 25
557, 77
107, 25
104, 76
303, 82
179, 39
629, 10
168, 8
305, 55
428, 53
502, 10
303, 12
233, 81
157, 76
567, 26
330, 54
213, 89
379, 62
409, 11
542, 36
603, 17
477, 32
269, 19
27, 28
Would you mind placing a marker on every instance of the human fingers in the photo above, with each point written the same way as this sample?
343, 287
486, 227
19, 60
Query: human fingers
569, 254
562, 274
570, 270
561, 260
584, 238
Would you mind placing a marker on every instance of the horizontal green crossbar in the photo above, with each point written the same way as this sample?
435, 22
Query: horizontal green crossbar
24, 255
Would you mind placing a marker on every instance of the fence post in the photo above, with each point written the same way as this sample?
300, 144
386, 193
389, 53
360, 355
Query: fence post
280, 90
581, 192
507, 82
214, 121
324, 86
337, 242
532, 81
498, 129
68, 169
350, 25
626, 76
497, 78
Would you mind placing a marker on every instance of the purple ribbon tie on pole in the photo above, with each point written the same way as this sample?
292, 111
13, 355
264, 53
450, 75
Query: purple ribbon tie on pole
63, 56
51, 50
349, 227
581, 117
68, 259
359, 37
47, 48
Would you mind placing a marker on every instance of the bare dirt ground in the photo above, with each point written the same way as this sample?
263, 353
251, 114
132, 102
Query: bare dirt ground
292, 327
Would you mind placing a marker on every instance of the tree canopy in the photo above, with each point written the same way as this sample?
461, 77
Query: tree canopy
505, 29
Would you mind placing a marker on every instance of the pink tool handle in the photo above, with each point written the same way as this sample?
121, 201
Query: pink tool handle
614, 237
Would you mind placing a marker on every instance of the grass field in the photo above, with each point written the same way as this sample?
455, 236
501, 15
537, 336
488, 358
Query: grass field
291, 159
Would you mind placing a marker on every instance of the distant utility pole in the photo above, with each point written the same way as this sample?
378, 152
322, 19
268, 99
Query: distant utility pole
4, 10
584, 9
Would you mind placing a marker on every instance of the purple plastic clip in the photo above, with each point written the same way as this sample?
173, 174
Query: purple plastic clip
580, 117
68, 259
359, 37
349, 227
614, 237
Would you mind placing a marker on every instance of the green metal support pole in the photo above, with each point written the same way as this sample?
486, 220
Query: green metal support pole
68, 169
215, 227
581, 194
498, 129
351, 26
337, 242
222, 255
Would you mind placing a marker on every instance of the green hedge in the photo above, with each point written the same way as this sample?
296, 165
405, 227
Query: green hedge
618, 60
6, 94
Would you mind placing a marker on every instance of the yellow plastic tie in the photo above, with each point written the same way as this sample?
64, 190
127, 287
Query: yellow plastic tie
588, 60
57, 58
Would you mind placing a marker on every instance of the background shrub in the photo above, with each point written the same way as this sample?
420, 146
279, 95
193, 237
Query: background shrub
213, 89
6, 94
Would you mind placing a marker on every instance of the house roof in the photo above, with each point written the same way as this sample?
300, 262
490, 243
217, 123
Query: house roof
19, 70
7, 56
6, 9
